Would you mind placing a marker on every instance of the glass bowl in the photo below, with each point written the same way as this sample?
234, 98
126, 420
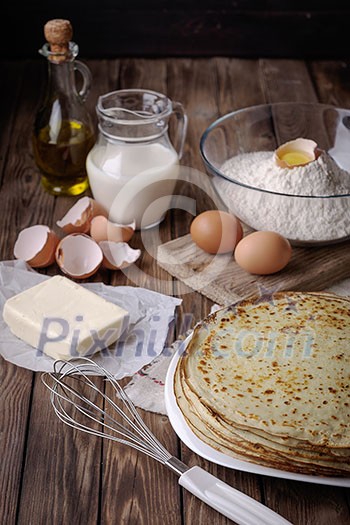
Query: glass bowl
309, 205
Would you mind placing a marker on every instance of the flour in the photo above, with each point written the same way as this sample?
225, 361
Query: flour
294, 215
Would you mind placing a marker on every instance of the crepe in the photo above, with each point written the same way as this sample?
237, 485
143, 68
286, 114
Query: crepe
267, 380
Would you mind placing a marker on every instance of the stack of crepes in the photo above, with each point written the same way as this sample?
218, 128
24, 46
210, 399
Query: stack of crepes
267, 381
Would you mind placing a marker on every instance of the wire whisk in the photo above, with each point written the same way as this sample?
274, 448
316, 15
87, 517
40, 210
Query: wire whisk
66, 398
81, 404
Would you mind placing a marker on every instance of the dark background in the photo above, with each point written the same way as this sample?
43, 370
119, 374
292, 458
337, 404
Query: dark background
115, 28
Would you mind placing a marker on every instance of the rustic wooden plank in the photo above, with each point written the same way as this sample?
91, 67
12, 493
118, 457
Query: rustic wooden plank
19, 190
307, 502
15, 391
62, 470
223, 281
11, 82
332, 81
240, 84
21, 183
287, 81
193, 83
138, 489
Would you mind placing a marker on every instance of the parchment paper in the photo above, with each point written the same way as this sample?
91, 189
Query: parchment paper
150, 316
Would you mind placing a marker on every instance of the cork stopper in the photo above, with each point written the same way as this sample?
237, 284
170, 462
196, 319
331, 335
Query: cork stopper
58, 33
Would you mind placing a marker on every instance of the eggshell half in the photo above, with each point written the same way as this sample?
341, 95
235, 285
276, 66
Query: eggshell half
36, 245
307, 148
78, 218
118, 255
78, 256
104, 230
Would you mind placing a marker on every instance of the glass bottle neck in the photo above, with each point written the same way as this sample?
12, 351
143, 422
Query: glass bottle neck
61, 78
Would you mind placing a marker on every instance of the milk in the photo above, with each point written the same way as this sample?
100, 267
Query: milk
133, 181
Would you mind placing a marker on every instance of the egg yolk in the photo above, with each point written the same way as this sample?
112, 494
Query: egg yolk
296, 158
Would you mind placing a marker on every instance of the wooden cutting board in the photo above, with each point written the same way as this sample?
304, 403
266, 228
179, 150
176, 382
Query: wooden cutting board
221, 279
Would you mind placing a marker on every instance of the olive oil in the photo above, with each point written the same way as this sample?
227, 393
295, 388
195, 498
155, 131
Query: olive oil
63, 132
61, 157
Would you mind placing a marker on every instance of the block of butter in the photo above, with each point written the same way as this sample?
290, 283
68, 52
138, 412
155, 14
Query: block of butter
63, 319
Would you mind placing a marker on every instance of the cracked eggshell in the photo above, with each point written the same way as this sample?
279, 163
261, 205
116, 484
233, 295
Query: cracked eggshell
78, 218
104, 230
36, 245
78, 255
118, 255
300, 152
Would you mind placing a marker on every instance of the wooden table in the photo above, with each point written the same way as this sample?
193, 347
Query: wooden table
51, 474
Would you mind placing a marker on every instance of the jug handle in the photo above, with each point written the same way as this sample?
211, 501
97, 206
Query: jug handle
182, 121
87, 78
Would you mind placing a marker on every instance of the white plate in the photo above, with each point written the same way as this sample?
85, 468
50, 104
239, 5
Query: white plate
183, 431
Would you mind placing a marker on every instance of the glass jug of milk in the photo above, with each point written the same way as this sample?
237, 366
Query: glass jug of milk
133, 166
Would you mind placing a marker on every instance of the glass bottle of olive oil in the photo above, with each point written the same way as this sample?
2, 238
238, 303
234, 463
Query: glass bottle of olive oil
63, 131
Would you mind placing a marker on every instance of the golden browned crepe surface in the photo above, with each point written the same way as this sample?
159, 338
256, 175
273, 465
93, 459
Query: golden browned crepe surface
267, 380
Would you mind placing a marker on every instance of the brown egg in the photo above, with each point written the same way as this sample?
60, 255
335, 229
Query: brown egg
36, 245
78, 255
216, 231
263, 252
78, 218
102, 229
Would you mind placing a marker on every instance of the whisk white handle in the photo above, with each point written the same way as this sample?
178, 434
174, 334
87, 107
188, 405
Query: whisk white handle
230, 502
